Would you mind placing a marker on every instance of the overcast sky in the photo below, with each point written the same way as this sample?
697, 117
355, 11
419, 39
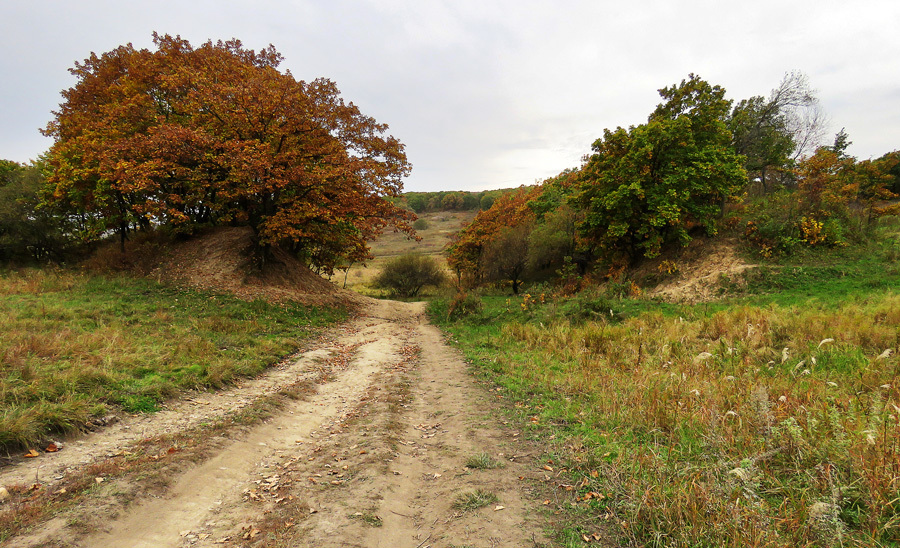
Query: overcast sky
485, 93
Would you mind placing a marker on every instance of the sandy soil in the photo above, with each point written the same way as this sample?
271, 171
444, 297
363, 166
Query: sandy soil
701, 268
375, 457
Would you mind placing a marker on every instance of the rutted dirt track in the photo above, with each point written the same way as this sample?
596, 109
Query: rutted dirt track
374, 457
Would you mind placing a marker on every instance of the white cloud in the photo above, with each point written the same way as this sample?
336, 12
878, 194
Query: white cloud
488, 94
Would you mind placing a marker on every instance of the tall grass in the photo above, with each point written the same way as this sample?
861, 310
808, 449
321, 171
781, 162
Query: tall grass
73, 347
742, 425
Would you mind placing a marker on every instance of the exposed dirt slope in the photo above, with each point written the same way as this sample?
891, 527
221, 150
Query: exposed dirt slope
223, 260
701, 267
374, 457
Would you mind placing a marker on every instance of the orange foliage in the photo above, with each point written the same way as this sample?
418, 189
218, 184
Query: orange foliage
187, 137
509, 210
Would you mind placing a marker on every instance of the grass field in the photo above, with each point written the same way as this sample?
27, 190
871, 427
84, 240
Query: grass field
75, 346
771, 418
435, 237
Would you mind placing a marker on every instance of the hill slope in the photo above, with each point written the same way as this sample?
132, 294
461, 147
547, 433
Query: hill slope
223, 260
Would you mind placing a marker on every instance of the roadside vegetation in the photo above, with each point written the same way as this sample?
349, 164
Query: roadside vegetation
406, 275
77, 346
768, 418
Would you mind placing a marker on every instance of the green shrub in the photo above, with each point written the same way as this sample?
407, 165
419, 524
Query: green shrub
421, 224
407, 274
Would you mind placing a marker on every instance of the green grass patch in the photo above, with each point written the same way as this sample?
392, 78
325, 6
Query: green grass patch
75, 346
483, 461
370, 518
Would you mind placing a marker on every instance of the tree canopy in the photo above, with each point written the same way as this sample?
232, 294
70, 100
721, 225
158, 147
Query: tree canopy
186, 137
774, 132
648, 185
507, 212
27, 232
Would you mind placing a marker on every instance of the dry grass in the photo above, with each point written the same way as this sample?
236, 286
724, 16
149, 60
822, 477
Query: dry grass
753, 426
473, 500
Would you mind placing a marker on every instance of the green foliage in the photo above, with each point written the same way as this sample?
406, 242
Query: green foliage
837, 202
771, 133
422, 202
554, 239
511, 210
505, 256
760, 133
28, 232
77, 346
406, 275
649, 185
483, 461
420, 224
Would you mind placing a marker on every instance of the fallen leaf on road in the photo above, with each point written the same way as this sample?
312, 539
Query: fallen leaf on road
52, 448
32, 454
498, 508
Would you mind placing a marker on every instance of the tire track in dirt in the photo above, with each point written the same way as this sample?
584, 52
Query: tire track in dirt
374, 458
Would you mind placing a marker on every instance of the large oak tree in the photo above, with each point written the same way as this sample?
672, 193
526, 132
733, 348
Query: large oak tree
188, 137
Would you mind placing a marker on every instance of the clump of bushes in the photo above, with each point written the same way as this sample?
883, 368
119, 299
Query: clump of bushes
464, 304
406, 275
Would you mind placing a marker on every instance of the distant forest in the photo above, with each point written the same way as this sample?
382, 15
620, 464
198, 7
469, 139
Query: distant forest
425, 202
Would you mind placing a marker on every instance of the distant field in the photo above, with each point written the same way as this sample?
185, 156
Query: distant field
441, 226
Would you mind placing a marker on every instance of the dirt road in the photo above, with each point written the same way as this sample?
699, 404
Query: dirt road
373, 456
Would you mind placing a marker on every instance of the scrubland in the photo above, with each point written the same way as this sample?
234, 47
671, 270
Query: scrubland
770, 417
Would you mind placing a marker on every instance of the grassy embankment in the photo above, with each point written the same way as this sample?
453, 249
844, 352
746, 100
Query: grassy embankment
76, 346
770, 418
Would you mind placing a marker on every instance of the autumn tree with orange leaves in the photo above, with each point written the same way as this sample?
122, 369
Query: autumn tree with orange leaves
505, 218
186, 137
